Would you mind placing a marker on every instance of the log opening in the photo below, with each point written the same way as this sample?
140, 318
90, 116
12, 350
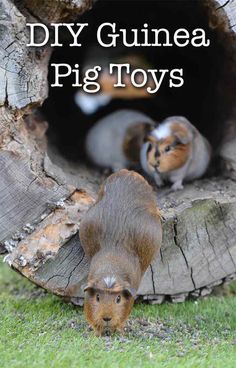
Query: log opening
206, 98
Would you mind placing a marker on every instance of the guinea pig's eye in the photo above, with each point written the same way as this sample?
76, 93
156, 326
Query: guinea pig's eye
167, 148
118, 299
98, 298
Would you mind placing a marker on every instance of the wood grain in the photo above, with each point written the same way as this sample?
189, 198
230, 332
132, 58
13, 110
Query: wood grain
198, 251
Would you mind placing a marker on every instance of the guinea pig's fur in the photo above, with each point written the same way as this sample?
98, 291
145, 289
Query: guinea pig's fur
115, 141
175, 151
121, 234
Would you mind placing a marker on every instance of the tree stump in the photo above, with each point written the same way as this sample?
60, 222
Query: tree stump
43, 196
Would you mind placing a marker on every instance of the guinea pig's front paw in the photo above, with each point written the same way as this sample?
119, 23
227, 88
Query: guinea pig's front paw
121, 329
177, 186
98, 333
159, 182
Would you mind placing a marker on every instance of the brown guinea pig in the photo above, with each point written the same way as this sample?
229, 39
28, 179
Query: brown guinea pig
121, 234
175, 151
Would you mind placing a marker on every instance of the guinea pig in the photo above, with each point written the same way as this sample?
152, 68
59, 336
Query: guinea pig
115, 141
90, 103
175, 151
121, 234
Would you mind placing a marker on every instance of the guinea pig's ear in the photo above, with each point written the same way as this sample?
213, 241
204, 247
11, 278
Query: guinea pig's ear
129, 291
182, 134
149, 138
90, 288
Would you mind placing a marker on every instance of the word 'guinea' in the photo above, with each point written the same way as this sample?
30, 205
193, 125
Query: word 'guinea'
108, 35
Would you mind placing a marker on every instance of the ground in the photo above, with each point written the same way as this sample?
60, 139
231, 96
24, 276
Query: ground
39, 330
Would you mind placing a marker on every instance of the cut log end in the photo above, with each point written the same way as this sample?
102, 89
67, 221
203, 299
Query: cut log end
198, 251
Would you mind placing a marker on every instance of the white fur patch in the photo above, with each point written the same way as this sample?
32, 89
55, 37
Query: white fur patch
89, 104
110, 281
161, 132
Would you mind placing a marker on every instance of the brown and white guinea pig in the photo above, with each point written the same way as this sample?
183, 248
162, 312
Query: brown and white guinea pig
121, 234
115, 141
175, 151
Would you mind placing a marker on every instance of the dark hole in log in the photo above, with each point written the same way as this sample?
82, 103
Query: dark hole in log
201, 99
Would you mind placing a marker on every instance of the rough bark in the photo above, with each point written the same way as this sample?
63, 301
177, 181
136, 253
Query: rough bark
227, 9
23, 70
48, 11
41, 204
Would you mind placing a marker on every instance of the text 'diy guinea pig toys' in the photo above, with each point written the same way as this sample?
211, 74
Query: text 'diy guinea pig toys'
121, 234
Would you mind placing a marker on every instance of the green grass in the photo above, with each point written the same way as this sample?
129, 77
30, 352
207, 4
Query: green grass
40, 330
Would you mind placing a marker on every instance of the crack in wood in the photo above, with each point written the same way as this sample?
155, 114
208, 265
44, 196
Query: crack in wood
203, 252
181, 250
153, 283
52, 277
161, 256
191, 275
47, 175
212, 246
72, 271
68, 255
6, 103
63, 260
222, 6
177, 244
228, 249
32, 181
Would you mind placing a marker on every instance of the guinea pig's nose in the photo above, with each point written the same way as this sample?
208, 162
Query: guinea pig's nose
106, 319
157, 164
157, 153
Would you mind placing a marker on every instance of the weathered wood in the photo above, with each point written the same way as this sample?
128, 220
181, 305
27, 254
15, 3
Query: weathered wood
45, 254
229, 8
198, 252
24, 196
23, 71
48, 11
199, 239
27, 191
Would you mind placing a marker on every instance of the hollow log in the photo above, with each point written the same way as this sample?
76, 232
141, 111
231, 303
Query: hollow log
43, 196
